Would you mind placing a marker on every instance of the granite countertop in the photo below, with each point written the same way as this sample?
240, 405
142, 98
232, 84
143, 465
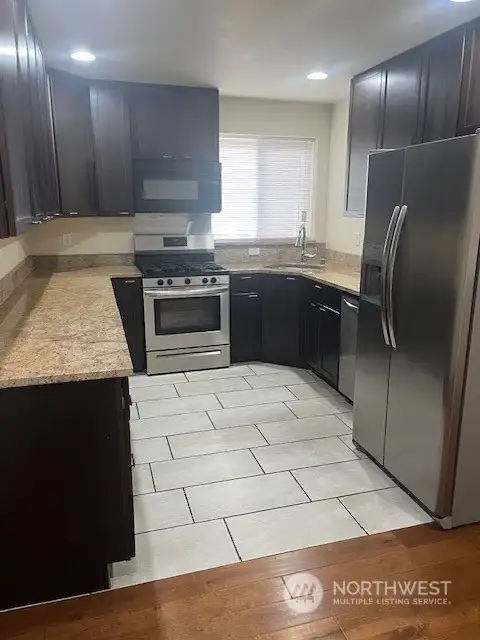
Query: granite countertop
63, 327
345, 279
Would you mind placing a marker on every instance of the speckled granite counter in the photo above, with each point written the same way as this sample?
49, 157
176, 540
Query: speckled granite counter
345, 280
63, 327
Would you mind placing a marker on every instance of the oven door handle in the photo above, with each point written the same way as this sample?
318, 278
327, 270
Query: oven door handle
201, 292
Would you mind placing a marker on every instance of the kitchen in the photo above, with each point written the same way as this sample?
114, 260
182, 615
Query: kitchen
152, 295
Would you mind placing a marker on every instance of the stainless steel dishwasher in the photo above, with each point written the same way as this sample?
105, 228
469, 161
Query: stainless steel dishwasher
348, 346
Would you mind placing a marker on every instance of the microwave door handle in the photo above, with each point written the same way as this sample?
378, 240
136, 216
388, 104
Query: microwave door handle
201, 292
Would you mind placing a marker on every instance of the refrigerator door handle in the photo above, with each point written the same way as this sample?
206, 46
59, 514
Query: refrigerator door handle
384, 275
391, 273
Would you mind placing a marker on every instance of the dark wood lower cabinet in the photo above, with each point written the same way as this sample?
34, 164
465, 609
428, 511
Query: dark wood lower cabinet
66, 499
321, 332
245, 327
129, 296
282, 298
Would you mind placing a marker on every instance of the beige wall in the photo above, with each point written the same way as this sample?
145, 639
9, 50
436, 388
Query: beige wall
343, 233
289, 119
88, 236
12, 253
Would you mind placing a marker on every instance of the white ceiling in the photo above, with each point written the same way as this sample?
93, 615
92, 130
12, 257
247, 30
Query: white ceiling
251, 48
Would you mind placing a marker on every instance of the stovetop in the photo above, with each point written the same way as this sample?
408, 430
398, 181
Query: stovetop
159, 269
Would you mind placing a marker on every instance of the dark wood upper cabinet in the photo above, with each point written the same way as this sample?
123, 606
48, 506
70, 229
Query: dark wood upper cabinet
403, 108
469, 118
364, 134
181, 122
443, 67
13, 115
112, 149
74, 143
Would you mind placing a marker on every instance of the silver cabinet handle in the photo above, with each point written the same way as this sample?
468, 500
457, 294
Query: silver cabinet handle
383, 274
317, 286
391, 273
325, 308
350, 305
36, 221
129, 281
290, 278
245, 277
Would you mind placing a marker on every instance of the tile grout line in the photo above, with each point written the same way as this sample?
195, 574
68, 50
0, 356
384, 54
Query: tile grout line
263, 470
295, 479
246, 380
351, 514
169, 448
233, 541
153, 478
189, 507
171, 435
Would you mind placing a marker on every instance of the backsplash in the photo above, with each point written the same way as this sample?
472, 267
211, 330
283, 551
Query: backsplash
269, 254
15, 277
82, 261
340, 260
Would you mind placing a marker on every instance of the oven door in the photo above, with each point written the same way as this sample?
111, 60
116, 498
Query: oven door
171, 185
186, 318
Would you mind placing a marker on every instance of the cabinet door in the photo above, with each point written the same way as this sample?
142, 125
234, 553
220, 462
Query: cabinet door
45, 160
281, 319
245, 327
129, 297
74, 142
113, 162
311, 336
329, 343
364, 134
180, 122
469, 119
403, 100
4, 232
444, 74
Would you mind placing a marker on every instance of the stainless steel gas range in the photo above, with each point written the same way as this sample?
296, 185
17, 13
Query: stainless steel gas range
186, 303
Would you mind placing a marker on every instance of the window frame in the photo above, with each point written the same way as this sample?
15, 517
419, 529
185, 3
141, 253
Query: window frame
313, 193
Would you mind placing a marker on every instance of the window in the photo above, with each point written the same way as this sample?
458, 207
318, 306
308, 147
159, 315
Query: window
266, 184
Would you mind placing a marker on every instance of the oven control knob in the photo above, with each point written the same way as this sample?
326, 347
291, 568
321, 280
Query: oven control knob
187, 281
169, 281
213, 280
160, 282
205, 280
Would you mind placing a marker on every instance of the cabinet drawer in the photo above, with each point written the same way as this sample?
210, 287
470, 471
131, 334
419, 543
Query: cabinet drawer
245, 283
326, 295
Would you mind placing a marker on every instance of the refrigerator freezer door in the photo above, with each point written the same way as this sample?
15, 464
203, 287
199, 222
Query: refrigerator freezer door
430, 315
384, 194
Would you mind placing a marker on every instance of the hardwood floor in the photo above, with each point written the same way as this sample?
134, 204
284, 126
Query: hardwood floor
250, 601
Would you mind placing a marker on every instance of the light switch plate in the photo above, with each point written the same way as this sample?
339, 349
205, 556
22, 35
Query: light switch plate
254, 251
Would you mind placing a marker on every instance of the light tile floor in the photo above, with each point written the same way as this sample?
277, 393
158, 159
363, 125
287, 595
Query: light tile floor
245, 462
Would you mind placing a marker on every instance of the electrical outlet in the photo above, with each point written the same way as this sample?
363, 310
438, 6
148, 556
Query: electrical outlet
254, 251
67, 239
358, 237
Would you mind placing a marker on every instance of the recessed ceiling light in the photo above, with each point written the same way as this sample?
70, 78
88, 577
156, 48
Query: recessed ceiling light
460, 0
82, 55
317, 75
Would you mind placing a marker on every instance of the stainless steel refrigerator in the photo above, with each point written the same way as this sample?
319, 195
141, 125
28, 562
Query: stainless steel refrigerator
417, 384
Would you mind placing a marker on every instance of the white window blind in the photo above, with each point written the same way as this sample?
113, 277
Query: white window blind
266, 184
